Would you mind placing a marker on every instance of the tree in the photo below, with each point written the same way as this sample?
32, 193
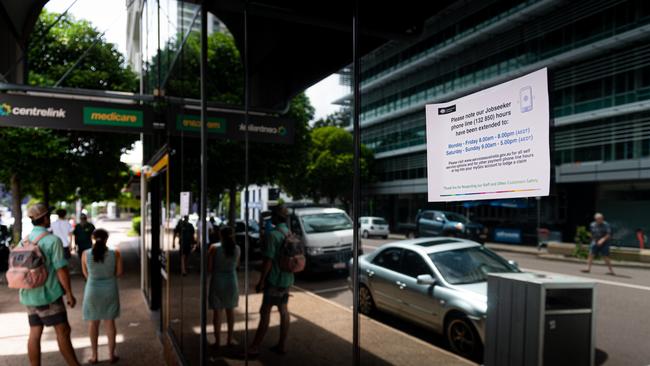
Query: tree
329, 169
340, 118
268, 163
35, 159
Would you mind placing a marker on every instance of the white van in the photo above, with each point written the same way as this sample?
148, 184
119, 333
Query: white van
326, 234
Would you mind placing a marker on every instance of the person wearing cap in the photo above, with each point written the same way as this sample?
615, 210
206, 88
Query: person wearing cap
275, 283
45, 306
83, 232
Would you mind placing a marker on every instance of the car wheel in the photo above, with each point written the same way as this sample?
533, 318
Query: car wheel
463, 338
365, 234
366, 302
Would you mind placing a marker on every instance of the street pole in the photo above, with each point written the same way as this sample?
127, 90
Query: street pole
356, 186
204, 177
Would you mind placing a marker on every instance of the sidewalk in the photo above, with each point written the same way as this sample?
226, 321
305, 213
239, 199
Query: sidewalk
137, 342
543, 254
321, 331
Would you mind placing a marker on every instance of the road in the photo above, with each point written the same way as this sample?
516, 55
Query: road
622, 305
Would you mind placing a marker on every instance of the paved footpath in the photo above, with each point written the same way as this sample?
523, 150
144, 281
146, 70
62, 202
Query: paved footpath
136, 340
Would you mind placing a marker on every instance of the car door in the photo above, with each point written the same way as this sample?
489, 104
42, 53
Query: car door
382, 277
427, 224
418, 301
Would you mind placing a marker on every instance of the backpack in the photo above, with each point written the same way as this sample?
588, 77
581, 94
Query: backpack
27, 268
292, 256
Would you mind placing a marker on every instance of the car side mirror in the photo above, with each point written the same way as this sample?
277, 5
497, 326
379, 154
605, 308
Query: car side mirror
513, 263
426, 279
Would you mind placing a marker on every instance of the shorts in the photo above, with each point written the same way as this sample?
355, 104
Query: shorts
275, 296
66, 252
47, 315
602, 250
186, 249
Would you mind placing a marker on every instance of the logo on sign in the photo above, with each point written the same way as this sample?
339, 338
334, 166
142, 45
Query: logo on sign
445, 110
50, 112
5, 109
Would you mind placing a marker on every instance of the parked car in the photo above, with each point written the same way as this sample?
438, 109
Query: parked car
438, 283
253, 236
373, 226
326, 234
443, 223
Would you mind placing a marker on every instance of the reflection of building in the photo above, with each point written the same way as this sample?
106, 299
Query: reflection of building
185, 12
261, 198
597, 53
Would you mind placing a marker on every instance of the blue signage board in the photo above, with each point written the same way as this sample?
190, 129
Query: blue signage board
503, 235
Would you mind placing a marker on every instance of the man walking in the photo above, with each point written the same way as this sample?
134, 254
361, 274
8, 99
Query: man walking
44, 304
63, 230
601, 232
185, 232
83, 232
275, 283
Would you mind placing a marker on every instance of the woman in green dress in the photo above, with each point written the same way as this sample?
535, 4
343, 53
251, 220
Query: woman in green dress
223, 259
101, 266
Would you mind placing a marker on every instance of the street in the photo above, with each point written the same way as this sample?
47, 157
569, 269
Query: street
622, 335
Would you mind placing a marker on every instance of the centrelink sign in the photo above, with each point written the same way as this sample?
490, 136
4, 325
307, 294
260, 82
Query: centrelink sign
20, 110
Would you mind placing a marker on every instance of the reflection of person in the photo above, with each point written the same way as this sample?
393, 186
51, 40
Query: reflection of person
601, 233
223, 260
275, 283
63, 230
83, 232
101, 267
45, 307
185, 232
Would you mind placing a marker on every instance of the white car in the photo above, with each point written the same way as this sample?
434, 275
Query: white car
373, 226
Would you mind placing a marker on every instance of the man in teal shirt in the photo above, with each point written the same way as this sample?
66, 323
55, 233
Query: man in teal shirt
44, 304
275, 283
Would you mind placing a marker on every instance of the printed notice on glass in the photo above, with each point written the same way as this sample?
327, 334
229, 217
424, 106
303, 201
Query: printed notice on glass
491, 144
185, 203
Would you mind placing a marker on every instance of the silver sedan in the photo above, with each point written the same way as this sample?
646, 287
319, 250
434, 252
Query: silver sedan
439, 283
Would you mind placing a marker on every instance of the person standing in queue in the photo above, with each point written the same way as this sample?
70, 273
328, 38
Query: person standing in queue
63, 230
83, 232
275, 283
223, 259
185, 232
45, 306
101, 267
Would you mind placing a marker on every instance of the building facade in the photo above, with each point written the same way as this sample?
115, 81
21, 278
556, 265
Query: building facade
598, 55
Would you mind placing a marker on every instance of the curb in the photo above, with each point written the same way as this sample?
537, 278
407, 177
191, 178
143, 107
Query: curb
561, 258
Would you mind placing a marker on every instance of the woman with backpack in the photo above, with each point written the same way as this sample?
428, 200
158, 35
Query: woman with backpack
223, 259
101, 266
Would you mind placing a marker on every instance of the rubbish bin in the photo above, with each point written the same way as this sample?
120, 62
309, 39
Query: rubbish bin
535, 319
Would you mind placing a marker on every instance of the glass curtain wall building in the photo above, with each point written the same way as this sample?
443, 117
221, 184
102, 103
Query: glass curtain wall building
598, 56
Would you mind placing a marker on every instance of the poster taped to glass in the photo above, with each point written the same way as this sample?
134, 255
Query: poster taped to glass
491, 144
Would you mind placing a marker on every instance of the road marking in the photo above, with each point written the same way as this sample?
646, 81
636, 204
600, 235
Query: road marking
604, 282
333, 289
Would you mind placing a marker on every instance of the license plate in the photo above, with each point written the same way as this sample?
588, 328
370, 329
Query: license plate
339, 265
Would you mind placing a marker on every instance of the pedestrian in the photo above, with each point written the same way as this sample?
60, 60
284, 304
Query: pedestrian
63, 230
101, 267
214, 232
275, 283
223, 259
601, 233
83, 234
185, 233
45, 306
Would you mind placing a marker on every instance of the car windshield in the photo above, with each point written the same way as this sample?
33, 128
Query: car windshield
324, 222
379, 222
456, 217
469, 265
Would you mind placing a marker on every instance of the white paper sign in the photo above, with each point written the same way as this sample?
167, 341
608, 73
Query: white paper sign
491, 144
185, 203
